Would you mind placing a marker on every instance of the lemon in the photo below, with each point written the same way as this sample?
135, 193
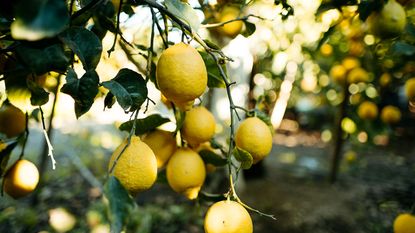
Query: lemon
326, 50
350, 63
186, 172
385, 79
21, 179
228, 217
410, 89
181, 75
357, 75
254, 136
12, 120
338, 73
198, 126
231, 29
404, 223
390, 114
163, 144
367, 110
136, 168
389, 22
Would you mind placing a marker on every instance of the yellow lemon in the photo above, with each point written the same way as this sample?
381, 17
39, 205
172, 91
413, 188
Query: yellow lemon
254, 136
404, 223
12, 120
367, 110
350, 63
198, 126
230, 29
228, 217
186, 172
326, 50
338, 74
389, 22
385, 79
410, 89
136, 168
21, 179
163, 144
357, 75
390, 114
181, 75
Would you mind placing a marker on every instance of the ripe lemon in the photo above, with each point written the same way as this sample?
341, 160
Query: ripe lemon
21, 179
326, 50
254, 136
404, 223
357, 75
181, 75
389, 22
390, 114
367, 110
385, 79
410, 89
198, 126
338, 73
12, 120
230, 29
136, 169
163, 144
228, 217
350, 63
186, 172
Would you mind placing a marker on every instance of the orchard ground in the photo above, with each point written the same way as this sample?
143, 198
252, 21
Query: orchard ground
374, 186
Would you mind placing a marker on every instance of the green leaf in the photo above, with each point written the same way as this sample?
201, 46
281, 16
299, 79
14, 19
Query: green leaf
38, 95
244, 157
41, 59
130, 89
211, 157
214, 76
249, 29
85, 44
82, 90
366, 7
185, 12
120, 204
403, 49
38, 19
5, 155
109, 100
144, 125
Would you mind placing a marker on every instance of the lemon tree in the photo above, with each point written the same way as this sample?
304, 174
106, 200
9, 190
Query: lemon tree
175, 56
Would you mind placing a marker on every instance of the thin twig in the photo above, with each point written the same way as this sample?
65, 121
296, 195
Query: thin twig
150, 50
112, 49
244, 18
165, 40
26, 137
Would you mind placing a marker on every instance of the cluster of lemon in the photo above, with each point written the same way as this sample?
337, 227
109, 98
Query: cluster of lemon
23, 176
181, 77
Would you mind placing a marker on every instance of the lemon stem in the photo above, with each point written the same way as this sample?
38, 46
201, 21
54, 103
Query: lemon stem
132, 132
